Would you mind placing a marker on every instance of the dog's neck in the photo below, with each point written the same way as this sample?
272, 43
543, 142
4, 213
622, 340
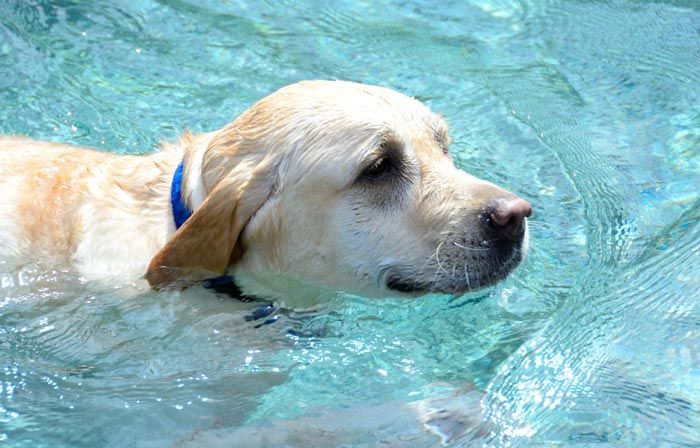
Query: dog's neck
188, 191
193, 149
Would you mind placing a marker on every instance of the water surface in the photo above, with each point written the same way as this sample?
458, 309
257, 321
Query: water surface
588, 109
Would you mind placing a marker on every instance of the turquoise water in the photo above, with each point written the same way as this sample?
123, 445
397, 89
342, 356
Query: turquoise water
588, 109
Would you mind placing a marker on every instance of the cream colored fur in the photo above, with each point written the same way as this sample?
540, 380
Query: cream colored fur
278, 201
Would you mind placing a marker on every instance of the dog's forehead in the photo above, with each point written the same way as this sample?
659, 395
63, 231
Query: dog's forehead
355, 105
338, 123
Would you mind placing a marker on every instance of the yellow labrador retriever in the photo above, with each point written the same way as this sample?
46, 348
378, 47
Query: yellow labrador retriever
323, 184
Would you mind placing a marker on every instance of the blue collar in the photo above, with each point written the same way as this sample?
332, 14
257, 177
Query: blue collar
181, 212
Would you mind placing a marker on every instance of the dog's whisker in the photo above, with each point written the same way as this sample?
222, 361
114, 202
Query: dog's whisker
466, 277
470, 248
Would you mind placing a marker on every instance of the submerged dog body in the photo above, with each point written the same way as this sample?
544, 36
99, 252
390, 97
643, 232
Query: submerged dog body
332, 184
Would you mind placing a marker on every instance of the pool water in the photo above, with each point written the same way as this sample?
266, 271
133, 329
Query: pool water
588, 109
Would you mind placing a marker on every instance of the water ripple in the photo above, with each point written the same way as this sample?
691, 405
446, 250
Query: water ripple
587, 109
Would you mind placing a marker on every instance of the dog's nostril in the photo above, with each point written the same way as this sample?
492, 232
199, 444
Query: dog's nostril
506, 216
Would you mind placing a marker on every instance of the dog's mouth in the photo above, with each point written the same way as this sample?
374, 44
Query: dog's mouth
408, 286
468, 272
415, 287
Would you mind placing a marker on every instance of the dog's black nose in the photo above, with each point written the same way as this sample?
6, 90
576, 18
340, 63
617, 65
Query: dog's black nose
506, 216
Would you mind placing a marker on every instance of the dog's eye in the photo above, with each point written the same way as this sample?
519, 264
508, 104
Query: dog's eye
379, 169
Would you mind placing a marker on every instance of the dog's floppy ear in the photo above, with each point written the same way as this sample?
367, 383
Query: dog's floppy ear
204, 246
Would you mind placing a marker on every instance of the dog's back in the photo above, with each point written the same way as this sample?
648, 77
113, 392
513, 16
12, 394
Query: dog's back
68, 204
38, 184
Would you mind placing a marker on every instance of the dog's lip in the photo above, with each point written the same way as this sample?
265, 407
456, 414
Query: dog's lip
406, 286
417, 288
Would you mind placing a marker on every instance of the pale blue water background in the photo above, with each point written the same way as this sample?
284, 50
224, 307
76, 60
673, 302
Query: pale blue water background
589, 109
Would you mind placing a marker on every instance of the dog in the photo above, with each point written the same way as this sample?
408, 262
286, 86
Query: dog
320, 186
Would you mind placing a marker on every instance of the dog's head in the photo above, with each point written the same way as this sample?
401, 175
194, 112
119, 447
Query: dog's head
349, 187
